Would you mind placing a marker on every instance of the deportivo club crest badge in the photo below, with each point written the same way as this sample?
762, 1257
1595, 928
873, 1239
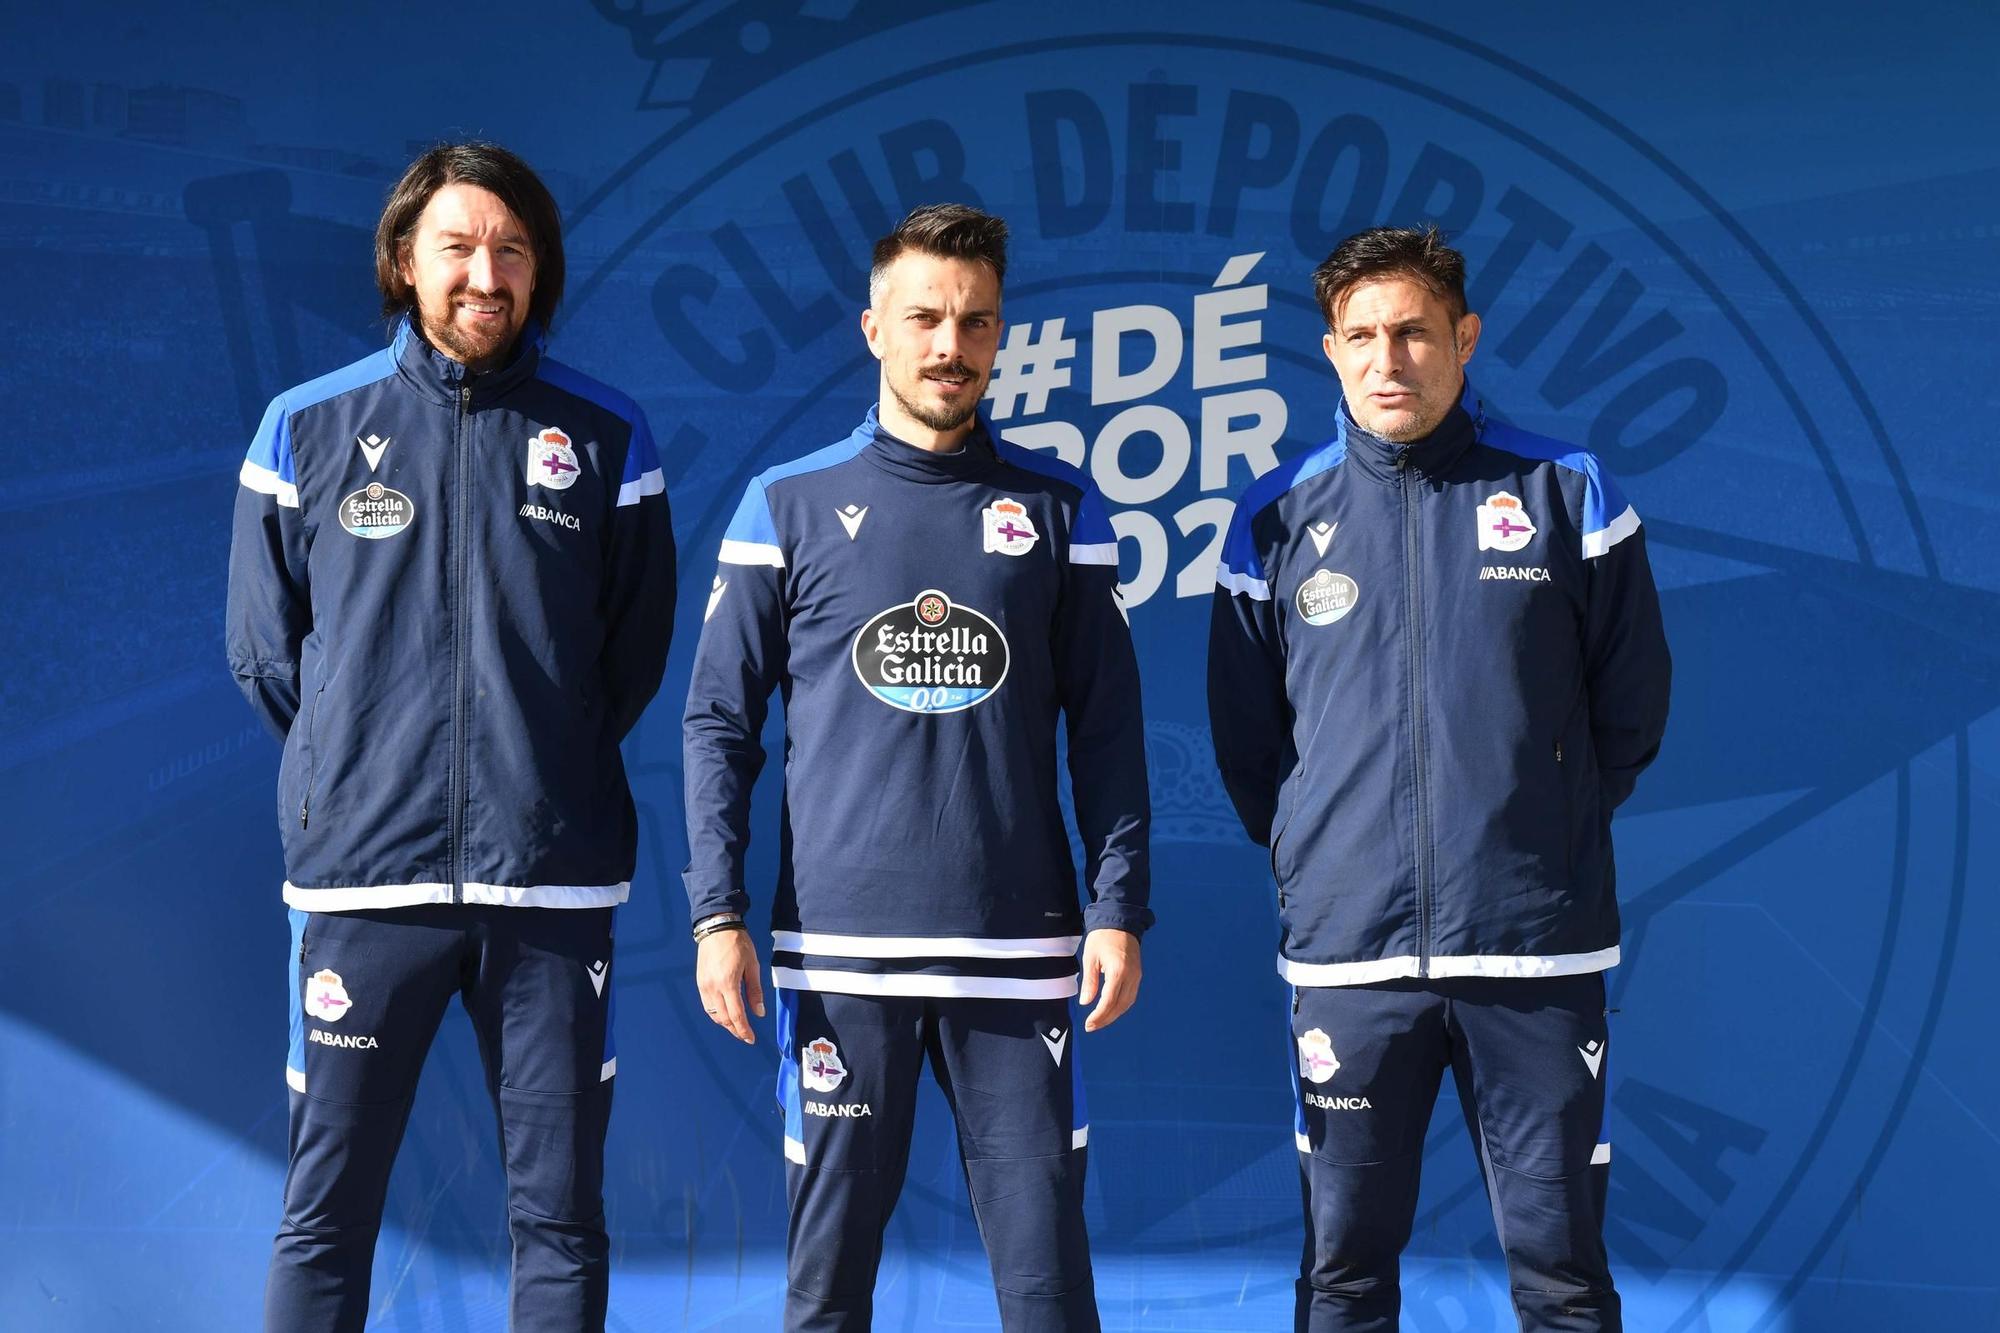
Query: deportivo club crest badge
326, 998
820, 1067
1009, 530
551, 461
1503, 524
1326, 597
1316, 1062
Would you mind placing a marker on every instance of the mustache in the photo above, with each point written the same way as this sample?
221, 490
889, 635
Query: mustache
955, 368
499, 296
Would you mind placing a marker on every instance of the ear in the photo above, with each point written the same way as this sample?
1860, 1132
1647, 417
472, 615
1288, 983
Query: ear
871, 329
1468, 337
406, 266
1326, 345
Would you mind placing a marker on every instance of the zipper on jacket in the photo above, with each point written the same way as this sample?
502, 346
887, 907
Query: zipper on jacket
1414, 609
460, 628
312, 759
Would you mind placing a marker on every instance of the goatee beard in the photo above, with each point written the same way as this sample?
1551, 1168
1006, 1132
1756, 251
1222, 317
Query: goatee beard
936, 418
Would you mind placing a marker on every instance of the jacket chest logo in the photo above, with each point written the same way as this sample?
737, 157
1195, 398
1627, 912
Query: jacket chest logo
1325, 597
930, 655
552, 461
1008, 529
376, 512
1503, 524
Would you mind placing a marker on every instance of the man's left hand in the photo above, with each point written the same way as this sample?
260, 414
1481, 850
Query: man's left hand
1111, 957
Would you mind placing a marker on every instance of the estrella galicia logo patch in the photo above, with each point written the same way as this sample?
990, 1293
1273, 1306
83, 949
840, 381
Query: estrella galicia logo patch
928, 656
551, 460
375, 511
1326, 597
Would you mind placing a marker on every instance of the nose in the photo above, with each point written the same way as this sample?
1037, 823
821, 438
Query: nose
480, 269
1385, 358
945, 341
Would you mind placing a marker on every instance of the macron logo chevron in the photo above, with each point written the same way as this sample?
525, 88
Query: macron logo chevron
599, 970
1055, 1039
1593, 1056
850, 518
1322, 534
371, 449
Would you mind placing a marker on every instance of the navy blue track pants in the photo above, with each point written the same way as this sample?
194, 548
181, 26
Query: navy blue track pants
369, 989
1528, 1057
847, 1086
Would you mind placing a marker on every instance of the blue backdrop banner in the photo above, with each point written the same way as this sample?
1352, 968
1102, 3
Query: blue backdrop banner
1750, 260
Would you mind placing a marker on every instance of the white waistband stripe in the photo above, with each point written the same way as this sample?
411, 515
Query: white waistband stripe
921, 946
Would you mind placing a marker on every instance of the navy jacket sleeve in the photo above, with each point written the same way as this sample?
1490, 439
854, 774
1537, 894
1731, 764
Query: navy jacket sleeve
639, 587
1627, 669
739, 660
1097, 674
270, 605
1249, 720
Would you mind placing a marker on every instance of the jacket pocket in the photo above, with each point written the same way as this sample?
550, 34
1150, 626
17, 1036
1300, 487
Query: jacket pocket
1289, 794
311, 757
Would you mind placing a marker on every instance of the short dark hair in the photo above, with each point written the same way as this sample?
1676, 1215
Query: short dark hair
1380, 252
490, 167
946, 231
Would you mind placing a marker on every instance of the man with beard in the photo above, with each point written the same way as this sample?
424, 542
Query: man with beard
450, 595
1436, 664
929, 599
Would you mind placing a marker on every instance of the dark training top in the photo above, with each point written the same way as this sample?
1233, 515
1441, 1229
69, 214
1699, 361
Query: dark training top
926, 617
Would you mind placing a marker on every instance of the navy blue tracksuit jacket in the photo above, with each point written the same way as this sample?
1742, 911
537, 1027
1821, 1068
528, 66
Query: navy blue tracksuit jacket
1434, 671
451, 597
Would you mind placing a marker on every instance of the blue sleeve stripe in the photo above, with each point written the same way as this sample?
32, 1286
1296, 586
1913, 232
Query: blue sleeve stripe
271, 450
1617, 530
752, 537
637, 489
1241, 585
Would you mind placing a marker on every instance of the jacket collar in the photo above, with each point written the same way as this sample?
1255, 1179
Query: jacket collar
439, 378
1432, 456
907, 461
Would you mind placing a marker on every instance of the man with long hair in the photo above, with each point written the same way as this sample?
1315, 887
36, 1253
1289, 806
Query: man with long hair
451, 590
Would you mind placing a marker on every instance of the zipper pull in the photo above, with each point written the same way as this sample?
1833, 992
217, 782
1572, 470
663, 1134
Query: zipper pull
1402, 459
1559, 752
302, 814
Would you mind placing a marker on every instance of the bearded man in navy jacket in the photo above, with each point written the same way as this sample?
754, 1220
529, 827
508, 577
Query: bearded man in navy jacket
451, 589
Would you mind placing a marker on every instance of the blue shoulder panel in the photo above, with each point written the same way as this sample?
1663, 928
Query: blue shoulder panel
1603, 502
271, 448
642, 455
1239, 548
1092, 524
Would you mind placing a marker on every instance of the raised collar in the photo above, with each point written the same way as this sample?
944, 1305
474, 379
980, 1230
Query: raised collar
1432, 456
900, 458
439, 378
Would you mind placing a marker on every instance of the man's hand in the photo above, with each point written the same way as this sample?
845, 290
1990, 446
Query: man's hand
725, 966
1111, 956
